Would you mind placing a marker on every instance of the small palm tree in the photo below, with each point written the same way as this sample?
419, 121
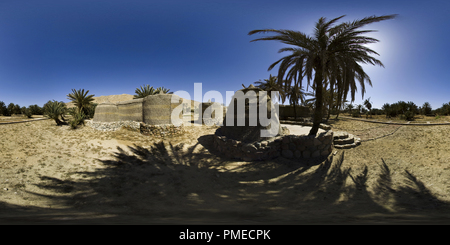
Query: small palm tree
368, 105
144, 92
55, 110
162, 90
81, 100
270, 85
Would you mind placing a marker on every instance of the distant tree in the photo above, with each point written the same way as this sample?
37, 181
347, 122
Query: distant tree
271, 85
426, 108
11, 109
26, 111
35, 110
3, 108
368, 105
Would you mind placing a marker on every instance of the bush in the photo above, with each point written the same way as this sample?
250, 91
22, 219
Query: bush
77, 118
355, 114
408, 116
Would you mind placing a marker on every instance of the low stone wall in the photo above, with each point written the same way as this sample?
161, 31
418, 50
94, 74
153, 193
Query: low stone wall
160, 130
157, 131
113, 126
288, 146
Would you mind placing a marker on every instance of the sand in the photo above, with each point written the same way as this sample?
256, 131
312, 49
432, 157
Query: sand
54, 175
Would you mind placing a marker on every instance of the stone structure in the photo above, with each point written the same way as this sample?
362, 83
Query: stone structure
245, 108
151, 115
246, 143
288, 146
151, 110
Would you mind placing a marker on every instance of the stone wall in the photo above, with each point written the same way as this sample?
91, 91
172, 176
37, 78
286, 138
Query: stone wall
152, 110
288, 146
160, 130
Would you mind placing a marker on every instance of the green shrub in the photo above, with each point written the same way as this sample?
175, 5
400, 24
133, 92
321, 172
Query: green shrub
408, 116
77, 118
355, 114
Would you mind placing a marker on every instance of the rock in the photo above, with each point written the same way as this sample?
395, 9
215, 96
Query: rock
306, 154
287, 153
249, 148
315, 154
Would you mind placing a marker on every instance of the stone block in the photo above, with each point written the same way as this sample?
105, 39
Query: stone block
315, 153
316, 142
287, 154
297, 154
306, 154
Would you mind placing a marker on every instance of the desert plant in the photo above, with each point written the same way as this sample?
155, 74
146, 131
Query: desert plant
162, 90
143, 92
77, 118
55, 110
80, 99
333, 53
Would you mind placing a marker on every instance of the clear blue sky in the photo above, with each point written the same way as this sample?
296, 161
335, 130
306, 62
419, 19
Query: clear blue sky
49, 47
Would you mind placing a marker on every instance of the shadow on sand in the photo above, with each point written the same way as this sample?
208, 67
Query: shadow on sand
179, 184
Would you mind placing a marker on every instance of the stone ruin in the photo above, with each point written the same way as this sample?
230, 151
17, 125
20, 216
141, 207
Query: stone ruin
247, 143
152, 113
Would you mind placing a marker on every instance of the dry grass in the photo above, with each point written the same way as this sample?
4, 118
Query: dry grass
54, 174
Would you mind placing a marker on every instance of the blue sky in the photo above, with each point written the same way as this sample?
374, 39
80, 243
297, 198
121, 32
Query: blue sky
49, 47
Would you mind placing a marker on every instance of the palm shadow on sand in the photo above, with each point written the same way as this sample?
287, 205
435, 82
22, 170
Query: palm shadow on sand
166, 183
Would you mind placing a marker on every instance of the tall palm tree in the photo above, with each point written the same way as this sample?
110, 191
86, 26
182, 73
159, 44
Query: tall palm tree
334, 53
81, 100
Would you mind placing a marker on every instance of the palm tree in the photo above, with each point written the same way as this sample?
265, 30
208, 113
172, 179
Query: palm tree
144, 92
368, 105
81, 100
55, 110
333, 53
271, 85
162, 90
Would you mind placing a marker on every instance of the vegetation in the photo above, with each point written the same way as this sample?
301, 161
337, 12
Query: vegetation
271, 85
81, 100
332, 54
147, 90
55, 110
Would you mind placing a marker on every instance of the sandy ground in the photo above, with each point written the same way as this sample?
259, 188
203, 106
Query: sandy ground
54, 175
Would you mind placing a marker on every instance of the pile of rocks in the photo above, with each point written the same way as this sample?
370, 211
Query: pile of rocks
113, 126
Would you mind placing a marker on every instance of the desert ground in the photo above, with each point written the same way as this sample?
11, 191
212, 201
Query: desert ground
55, 175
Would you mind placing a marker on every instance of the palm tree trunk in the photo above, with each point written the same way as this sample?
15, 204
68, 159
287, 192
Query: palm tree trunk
318, 81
